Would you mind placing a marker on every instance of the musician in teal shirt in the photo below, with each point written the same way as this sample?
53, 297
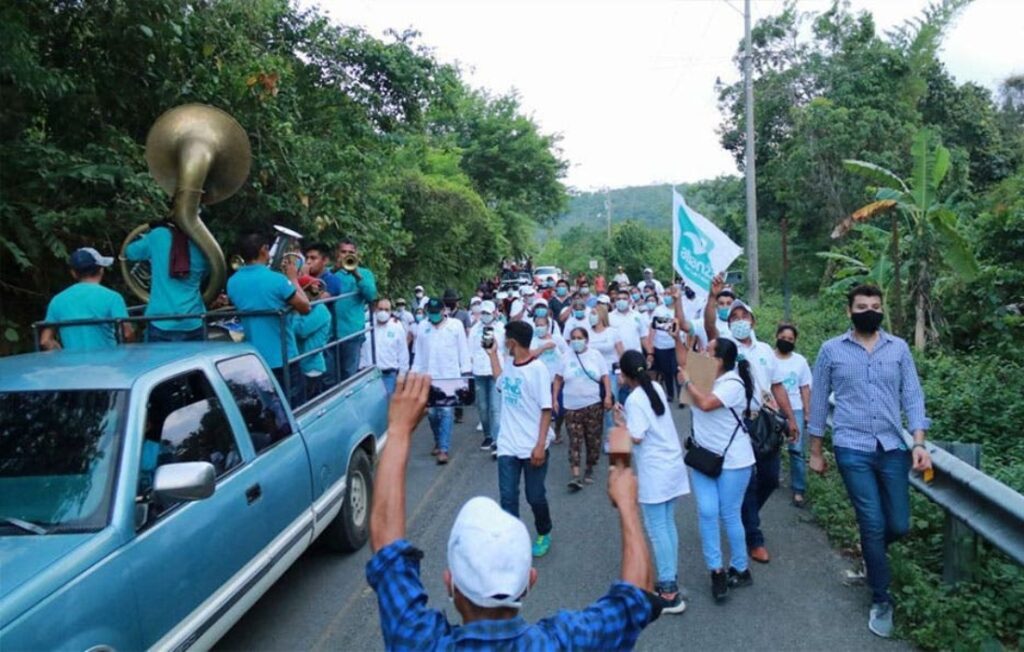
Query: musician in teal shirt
350, 312
312, 331
257, 287
171, 293
86, 299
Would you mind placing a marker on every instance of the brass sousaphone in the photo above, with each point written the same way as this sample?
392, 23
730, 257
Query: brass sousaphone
199, 155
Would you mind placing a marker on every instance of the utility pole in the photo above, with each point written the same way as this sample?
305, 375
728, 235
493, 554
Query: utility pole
753, 277
608, 245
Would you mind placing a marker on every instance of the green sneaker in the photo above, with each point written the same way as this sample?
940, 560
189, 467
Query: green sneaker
542, 545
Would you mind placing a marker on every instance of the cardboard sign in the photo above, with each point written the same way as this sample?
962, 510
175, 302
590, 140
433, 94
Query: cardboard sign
702, 370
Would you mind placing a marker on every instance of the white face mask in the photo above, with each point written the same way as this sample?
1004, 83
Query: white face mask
383, 316
487, 318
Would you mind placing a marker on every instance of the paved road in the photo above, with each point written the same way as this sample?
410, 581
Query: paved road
798, 601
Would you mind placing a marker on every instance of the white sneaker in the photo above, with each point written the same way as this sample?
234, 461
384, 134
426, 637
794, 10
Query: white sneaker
880, 619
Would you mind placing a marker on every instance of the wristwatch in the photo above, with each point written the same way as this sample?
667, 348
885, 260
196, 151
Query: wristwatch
918, 445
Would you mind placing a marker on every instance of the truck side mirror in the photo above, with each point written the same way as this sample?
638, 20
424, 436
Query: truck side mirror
184, 481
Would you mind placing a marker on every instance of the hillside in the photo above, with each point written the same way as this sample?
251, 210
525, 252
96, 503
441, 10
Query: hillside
721, 200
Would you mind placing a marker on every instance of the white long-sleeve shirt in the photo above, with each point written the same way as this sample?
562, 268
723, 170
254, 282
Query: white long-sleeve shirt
442, 350
632, 327
390, 344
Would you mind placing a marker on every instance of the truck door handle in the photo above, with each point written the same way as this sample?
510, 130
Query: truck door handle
253, 493
322, 412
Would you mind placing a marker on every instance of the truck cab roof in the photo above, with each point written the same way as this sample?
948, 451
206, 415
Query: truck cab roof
115, 368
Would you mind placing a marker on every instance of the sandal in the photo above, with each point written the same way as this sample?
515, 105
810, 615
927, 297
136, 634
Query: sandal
575, 484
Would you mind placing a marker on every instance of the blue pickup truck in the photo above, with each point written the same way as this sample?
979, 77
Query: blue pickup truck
150, 495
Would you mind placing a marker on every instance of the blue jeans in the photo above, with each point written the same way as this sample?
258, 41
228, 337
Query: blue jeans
441, 420
389, 378
613, 378
154, 334
660, 523
721, 498
763, 482
622, 394
509, 470
879, 487
348, 352
488, 405
798, 458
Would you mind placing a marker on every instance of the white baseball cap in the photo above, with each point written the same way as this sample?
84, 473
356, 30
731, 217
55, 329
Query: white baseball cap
418, 288
489, 555
502, 296
605, 299
648, 270
487, 306
527, 290
475, 300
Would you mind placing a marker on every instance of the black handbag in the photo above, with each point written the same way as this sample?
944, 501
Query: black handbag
706, 460
767, 430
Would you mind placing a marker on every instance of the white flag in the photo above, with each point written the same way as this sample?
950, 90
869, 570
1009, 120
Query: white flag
699, 248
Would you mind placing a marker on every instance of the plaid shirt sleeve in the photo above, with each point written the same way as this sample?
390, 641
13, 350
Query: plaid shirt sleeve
405, 620
820, 391
614, 622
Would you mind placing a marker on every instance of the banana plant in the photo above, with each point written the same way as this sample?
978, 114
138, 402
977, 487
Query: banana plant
935, 236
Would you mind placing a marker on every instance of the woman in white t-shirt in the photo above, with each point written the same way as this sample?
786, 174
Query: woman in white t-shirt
717, 427
578, 386
549, 347
606, 340
661, 474
792, 370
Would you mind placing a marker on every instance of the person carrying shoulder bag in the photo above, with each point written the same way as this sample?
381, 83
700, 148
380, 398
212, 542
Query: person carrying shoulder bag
719, 431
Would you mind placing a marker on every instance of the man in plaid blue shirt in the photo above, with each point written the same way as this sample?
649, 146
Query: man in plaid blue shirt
875, 382
489, 565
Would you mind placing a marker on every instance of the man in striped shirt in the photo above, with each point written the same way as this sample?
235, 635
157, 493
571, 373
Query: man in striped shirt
875, 383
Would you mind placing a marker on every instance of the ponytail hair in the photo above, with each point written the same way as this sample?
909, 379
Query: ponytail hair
633, 365
726, 351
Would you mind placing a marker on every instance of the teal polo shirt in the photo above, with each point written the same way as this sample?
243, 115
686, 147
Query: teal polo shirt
169, 295
351, 311
87, 301
256, 287
312, 331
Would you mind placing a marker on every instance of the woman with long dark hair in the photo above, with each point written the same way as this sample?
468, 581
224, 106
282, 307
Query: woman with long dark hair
718, 427
660, 471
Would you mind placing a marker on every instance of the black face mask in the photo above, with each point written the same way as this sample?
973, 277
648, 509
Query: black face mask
866, 322
785, 346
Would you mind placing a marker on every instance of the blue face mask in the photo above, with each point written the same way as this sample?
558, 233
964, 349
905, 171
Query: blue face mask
540, 332
622, 305
562, 291
740, 329
668, 301
636, 296
651, 305
723, 313
579, 346
579, 314
541, 311
419, 318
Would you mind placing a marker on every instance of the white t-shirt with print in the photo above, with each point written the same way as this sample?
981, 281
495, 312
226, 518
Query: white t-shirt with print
793, 372
713, 428
762, 368
662, 339
525, 392
551, 357
604, 343
581, 383
658, 457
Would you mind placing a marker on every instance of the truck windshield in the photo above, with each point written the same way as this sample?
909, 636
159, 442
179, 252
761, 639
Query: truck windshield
58, 459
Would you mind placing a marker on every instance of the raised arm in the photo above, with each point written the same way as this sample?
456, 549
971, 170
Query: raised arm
710, 308
636, 559
387, 516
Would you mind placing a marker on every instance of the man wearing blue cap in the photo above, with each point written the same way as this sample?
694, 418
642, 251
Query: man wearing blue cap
86, 299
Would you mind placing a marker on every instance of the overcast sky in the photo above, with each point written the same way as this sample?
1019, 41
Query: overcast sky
629, 85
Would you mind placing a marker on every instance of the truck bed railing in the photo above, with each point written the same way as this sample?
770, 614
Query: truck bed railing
212, 316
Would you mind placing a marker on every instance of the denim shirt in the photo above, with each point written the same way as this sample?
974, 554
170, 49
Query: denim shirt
872, 392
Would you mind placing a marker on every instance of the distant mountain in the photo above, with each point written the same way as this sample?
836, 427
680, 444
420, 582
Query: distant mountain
721, 200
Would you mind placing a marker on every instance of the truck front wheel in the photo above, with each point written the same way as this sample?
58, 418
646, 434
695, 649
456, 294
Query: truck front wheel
350, 529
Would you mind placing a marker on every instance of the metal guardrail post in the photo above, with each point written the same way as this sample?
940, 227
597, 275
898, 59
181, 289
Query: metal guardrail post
959, 541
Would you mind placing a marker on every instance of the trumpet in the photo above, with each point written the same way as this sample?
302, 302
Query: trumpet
349, 262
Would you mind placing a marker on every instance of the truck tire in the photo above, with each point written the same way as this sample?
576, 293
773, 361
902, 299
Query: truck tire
350, 529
